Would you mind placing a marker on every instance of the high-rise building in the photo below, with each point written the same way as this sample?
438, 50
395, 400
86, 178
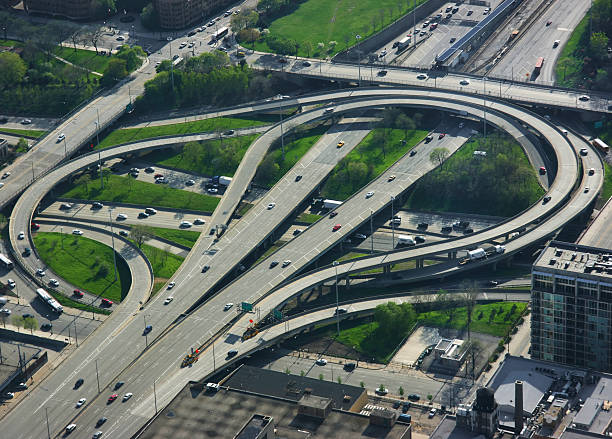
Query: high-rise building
72, 9
571, 294
178, 14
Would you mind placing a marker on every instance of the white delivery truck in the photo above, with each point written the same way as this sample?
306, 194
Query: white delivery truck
331, 204
405, 240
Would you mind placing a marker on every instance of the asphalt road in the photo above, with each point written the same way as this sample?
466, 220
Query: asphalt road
214, 309
519, 62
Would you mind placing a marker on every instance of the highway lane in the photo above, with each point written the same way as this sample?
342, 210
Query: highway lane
183, 334
518, 62
320, 160
211, 320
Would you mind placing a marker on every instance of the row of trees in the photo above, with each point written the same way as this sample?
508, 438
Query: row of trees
501, 183
206, 79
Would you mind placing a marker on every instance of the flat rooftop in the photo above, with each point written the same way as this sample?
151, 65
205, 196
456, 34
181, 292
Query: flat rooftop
197, 414
448, 429
9, 365
574, 258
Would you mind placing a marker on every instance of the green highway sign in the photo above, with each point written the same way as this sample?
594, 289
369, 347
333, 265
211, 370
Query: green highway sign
246, 306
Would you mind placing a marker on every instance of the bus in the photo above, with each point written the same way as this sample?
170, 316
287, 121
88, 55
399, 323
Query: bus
6, 262
49, 300
601, 145
538, 65
220, 33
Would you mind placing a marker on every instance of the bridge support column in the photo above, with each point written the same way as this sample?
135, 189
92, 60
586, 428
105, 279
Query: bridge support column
509, 261
419, 263
348, 282
452, 255
494, 266
386, 269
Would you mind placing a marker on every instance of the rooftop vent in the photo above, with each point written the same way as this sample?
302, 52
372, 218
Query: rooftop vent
558, 252
566, 265
574, 256
552, 261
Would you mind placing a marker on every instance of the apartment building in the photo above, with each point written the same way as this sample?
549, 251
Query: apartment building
72, 9
178, 14
571, 292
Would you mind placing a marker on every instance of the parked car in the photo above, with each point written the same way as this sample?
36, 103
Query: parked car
321, 362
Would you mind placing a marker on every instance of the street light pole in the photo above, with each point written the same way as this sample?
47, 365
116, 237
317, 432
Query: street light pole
155, 397
371, 231
358, 37
171, 65
335, 264
280, 110
110, 221
65, 149
48, 429
97, 376
214, 360
392, 224
145, 331
484, 104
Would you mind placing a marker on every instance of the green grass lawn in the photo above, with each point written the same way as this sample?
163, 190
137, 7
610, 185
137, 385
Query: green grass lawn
363, 337
342, 184
606, 190
351, 255
308, 218
569, 64
125, 135
182, 237
128, 190
84, 58
83, 262
269, 251
294, 151
27, 133
66, 301
322, 21
194, 160
164, 265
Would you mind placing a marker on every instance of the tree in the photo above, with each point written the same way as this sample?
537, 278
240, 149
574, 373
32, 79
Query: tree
599, 45
140, 234
149, 17
76, 36
30, 323
94, 37
394, 319
307, 46
492, 315
22, 145
405, 123
469, 297
115, 71
438, 156
18, 321
103, 8
12, 69
401, 391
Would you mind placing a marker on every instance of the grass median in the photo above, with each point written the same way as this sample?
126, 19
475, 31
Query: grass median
125, 135
128, 190
84, 263
182, 237
25, 133
164, 265
210, 157
568, 70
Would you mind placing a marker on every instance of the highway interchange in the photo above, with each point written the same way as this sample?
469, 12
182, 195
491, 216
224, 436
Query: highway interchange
118, 350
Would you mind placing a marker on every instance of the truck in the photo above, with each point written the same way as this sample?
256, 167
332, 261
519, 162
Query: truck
225, 181
481, 253
601, 145
405, 240
331, 204
403, 43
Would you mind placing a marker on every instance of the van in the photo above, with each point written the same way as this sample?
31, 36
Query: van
3, 301
404, 417
150, 211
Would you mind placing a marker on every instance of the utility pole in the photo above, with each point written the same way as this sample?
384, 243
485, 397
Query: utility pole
280, 111
171, 65
75, 333
110, 221
97, 376
335, 264
484, 104
48, 429
358, 52
392, 224
155, 397
371, 232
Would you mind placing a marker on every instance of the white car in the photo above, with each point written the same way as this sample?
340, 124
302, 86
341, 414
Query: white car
10, 283
5, 311
171, 285
1, 185
61, 137
464, 82
40, 272
369, 194
212, 190
127, 396
422, 76
25, 122
271, 206
21, 235
122, 216
6, 174
77, 232
190, 182
584, 98
321, 362
286, 263
53, 282
228, 306
199, 221
80, 402
168, 300
186, 224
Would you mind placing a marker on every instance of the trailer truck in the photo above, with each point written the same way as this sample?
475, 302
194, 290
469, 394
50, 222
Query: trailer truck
481, 253
405, 240
331, 204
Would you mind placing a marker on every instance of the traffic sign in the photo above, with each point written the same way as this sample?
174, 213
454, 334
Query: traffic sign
246, 306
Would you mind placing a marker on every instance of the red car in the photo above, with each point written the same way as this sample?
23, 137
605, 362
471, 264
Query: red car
112, 398
78, 293
34, 226
542, 170
159, 175
337, 227
106, 302
441, 136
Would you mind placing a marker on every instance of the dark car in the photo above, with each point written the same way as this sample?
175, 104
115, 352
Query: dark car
333, 214
382, 73
27, 251
419, 239
414, 397
79, 383
101, 421
350, 366
546, 199
273, 264
232, 353
423, 225
298, 178
412, 152
229, 132
118, 384
205, 268
143, 215
147, 329
340, 311
46, 327
446, 229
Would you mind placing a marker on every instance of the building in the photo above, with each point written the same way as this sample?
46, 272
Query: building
571, 306
72, 9
178, 14
258, 403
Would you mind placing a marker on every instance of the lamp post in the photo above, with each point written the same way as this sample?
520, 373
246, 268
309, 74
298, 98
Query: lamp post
392, 224
65, 149
171, 64
371, 231
358, 37
47, 416
484, 104
335, 264
155, 397
110, 222
97, 376
144, 316
280, 112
